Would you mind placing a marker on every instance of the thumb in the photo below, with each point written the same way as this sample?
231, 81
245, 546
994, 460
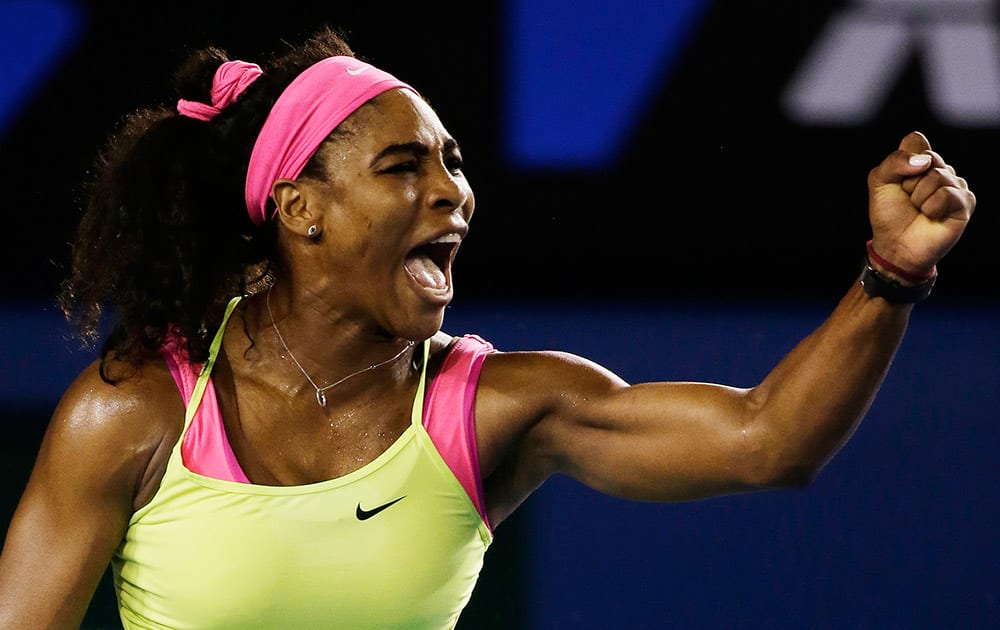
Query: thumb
905, 165
915, 142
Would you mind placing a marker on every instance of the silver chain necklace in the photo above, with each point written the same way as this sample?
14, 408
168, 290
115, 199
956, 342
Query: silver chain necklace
321, 391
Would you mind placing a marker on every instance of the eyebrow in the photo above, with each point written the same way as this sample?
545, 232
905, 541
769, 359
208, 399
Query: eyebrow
416, 148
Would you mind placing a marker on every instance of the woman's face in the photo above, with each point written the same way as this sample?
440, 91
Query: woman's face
394, 209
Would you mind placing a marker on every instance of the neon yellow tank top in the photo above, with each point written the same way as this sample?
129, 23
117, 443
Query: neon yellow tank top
394, 544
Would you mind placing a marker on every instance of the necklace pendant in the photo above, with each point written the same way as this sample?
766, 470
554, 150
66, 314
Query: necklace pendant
320, 398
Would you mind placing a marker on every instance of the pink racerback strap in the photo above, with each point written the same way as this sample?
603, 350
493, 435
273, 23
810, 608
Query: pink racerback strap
206, 449
451, 395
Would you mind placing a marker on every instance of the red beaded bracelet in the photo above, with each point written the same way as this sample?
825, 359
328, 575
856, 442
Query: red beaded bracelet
910, 277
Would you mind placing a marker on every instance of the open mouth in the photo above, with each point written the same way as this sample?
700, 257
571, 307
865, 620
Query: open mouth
430, 263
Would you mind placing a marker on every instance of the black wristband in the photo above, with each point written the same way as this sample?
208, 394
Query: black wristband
877, 285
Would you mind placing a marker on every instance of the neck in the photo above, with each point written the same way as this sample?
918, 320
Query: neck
318, 330
323, 363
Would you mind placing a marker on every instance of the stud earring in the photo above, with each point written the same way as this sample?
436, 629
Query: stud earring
312, 231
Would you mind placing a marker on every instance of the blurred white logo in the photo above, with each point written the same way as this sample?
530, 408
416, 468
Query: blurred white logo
864, 49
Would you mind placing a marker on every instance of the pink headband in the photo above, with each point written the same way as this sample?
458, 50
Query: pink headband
230, 80
303, 117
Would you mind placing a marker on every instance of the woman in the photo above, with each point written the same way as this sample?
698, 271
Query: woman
278, 433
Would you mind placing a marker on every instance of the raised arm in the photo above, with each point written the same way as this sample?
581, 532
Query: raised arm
677, 441
90, 471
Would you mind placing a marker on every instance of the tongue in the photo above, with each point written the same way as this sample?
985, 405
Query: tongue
426, 272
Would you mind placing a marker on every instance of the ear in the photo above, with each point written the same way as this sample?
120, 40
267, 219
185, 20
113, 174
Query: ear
293, 207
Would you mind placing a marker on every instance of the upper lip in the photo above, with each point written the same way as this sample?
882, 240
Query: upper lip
454, 234
448, 237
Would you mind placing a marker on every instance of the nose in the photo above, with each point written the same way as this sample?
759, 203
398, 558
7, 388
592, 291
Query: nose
450, 191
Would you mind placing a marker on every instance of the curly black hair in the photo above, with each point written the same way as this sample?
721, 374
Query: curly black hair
165, 240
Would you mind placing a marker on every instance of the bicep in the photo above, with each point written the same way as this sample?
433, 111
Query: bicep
658, 441
652, 441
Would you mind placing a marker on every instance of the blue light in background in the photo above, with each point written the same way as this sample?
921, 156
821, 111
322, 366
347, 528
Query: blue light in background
580, 73
33, 36
39, 358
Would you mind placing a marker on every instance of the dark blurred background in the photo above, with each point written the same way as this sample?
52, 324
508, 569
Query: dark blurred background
684, 179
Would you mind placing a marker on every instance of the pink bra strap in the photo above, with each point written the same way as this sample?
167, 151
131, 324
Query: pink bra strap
205, 449
449, 415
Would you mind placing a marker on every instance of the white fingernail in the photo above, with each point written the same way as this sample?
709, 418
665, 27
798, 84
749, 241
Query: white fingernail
920, 160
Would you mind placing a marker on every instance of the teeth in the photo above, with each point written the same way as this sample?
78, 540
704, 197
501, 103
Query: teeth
448, 238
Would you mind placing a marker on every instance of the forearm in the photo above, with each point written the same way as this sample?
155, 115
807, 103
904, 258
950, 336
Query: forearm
814, 399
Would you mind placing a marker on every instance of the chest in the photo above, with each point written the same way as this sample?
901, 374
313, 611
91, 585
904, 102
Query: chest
395, 543
282, 439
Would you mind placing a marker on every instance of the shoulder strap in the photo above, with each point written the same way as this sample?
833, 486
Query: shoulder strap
417, 414
206, 369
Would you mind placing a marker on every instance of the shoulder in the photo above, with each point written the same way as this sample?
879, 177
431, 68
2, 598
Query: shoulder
531, 376
522, 390
119, 427
518, 388
545, 375
134, 398
528, 405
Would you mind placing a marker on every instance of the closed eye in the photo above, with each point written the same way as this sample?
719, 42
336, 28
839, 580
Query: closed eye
409, 166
